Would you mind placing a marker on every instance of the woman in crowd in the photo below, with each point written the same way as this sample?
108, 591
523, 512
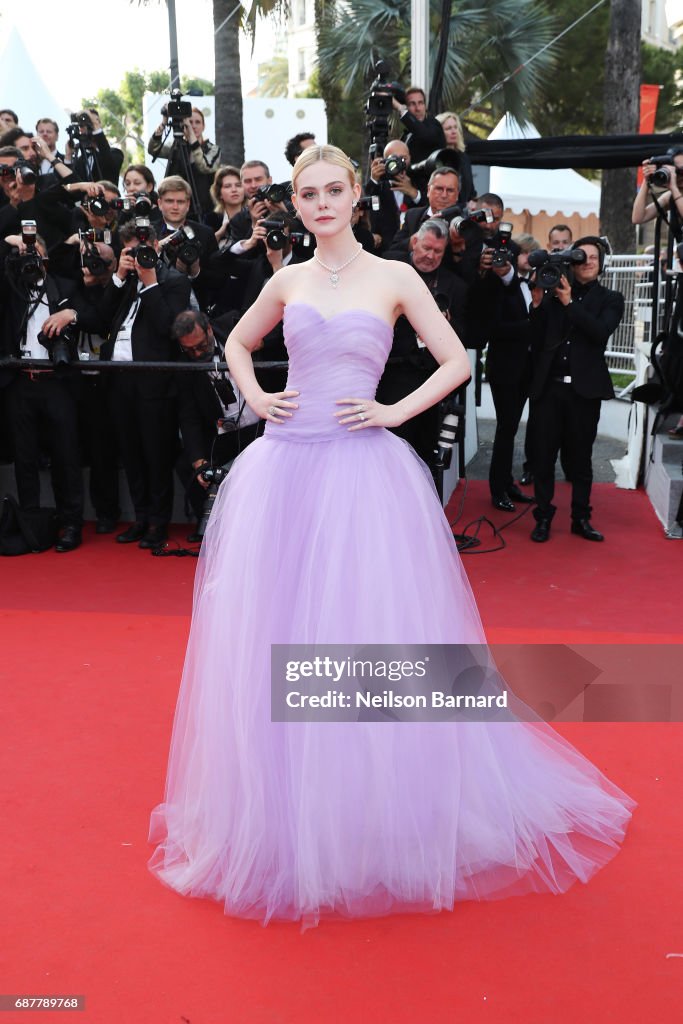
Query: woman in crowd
455, 140
227, 192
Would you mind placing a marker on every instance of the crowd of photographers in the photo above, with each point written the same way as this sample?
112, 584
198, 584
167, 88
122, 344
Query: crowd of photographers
159, 272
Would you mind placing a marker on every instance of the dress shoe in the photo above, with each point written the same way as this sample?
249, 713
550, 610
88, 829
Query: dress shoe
515, 494
541, 531
105, 525
502, 503
195, 537
134, 532
70, 539
583, 528
155, 537
527, 478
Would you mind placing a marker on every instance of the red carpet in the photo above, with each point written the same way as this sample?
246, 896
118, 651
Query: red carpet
92, 649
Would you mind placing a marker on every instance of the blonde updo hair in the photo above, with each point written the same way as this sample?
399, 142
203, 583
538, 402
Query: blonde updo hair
446, 116
330, 154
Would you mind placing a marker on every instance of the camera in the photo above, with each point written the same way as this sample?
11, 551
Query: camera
395, 165
276, 237
22, 168
183, 245
214, 477
550, 267
460, 221
80, 127
27, 268
140, 202
90, 256
145, 255
63, 347
661, 176
379, 108
368, 203
274, 193
502, 255
97, 205
177, 110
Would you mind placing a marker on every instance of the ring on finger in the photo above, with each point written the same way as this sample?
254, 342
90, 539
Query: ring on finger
361, 416
272, 410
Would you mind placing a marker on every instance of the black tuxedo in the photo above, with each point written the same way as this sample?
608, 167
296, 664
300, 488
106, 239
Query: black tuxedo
569, 342
387, 220
422, 137
417, 364
143, 405
42, 407
502, 309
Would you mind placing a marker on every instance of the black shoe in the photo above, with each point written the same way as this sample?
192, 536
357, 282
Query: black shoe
134, 532
527, 478
515, 494
541, 531
155, 537
502, 503
105, 525
583, 528
70, 539
194, 538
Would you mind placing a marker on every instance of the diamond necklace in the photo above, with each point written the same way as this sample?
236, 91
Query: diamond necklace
334, 273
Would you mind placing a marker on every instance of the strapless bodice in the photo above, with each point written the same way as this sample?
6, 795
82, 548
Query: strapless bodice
342, 357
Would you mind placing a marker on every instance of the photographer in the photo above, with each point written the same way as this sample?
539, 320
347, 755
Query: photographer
81, 315
41, 403
423, 133
442, 194
197, 162
256, 179
184, 243
427, 249
396, 191
137, 310
668, 177
88, 152
570, 327
49, 168
216, 424
18, 180
501, 301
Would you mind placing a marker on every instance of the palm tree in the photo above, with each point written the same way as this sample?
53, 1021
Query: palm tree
487, 41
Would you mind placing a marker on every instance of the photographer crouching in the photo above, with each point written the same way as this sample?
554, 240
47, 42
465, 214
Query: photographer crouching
216, 424
571, 323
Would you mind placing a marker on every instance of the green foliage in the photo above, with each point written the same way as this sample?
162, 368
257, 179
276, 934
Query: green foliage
274, 77
488, 40
662, 67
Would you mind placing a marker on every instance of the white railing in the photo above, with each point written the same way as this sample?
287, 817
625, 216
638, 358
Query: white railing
632, 276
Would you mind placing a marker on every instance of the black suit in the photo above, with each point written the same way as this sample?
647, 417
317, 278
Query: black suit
143, 406
42, 408
387, 220
570, 341
503, 309
422, 137
417, 364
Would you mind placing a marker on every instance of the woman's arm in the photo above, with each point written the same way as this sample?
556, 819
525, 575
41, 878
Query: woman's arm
247, 336
644, 211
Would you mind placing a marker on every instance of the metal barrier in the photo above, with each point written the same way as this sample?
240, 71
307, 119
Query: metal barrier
632, 276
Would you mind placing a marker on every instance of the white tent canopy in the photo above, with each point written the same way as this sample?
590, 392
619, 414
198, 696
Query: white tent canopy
24, 91
540, 191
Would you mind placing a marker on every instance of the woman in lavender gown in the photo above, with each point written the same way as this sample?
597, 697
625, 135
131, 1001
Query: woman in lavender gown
328, 530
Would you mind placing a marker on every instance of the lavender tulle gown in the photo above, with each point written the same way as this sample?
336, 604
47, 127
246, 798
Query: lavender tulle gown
321, 535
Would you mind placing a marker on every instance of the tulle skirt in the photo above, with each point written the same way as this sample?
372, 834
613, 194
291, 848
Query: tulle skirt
344, 541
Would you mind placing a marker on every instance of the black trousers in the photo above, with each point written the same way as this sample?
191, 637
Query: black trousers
143, 410
563, 419
220, 448
509, 393
44, 409
98, 444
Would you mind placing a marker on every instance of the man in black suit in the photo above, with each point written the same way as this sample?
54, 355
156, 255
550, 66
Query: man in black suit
427, 248
570, 331
138, 308
41, 403
502, 300
442, 193
397, 193
216, 424
175, 199
93, 159
423, 133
